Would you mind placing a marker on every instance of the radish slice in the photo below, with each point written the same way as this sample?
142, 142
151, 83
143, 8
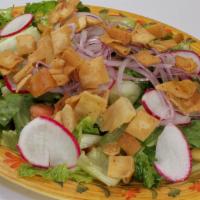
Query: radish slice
17, 25
173, 157
12, 86
169, 58
180, 119
155, 105
44, 142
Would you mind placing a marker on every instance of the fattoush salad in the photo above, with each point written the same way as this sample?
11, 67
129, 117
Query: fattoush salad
98, 97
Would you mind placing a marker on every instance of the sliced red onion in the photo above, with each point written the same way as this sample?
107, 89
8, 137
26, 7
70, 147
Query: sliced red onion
11, 86
83, 39
89, 15
120, 74
135, 79
73, 27
169, 58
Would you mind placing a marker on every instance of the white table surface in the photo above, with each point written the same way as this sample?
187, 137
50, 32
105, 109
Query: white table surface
183, 14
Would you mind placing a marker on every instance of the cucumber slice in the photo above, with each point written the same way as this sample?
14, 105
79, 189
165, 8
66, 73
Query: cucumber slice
10, 42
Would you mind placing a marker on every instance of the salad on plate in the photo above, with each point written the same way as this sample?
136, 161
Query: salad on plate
105, 98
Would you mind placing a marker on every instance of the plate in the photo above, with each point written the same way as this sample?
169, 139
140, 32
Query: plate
10, 161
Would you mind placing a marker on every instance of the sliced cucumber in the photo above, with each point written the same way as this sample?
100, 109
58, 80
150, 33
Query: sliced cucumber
10, 42
129, 89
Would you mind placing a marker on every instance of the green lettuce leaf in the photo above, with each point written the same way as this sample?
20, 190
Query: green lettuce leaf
86, 126
82, 8
40, 11
114, 136
5, 16
144, 169
9, 106
59, 174
9, 139
22, 117
192, 133
184, 45
121, 20
15, 106
95, 170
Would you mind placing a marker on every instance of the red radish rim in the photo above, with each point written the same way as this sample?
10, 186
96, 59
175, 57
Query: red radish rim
148, 110
112, 84
74, 140
9, 86
189, 169
21, 29
34, 165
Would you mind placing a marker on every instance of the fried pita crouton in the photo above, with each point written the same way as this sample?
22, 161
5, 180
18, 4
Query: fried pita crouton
179, 37
72, 57
158, 30
111, 149
9, 60
146, 58
4, 72
182, 89
73, 100
44, 51
141, 36
22, 73
120, 166
142, 125
115, 45
129, 144
60, 71
38, 85
82, 23
119, 113
91, 21
23, 82
123, 36
68, 117
163, 45
57, 63
63, 11
186, 106
94, 74
60, 104
26, 44
61, 39
187, 64
120, 49
58, 117
90, 105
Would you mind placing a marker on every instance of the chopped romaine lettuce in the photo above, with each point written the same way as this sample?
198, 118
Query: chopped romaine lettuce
96, 171
40, 11
184, 45
97, 156
144, 169
59, 174
112, 137
192, 133
85, 126
9, 107
5, 16
82, 8
152, 139
9, 139
88, 140
22, 117
14, 106
119, 20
